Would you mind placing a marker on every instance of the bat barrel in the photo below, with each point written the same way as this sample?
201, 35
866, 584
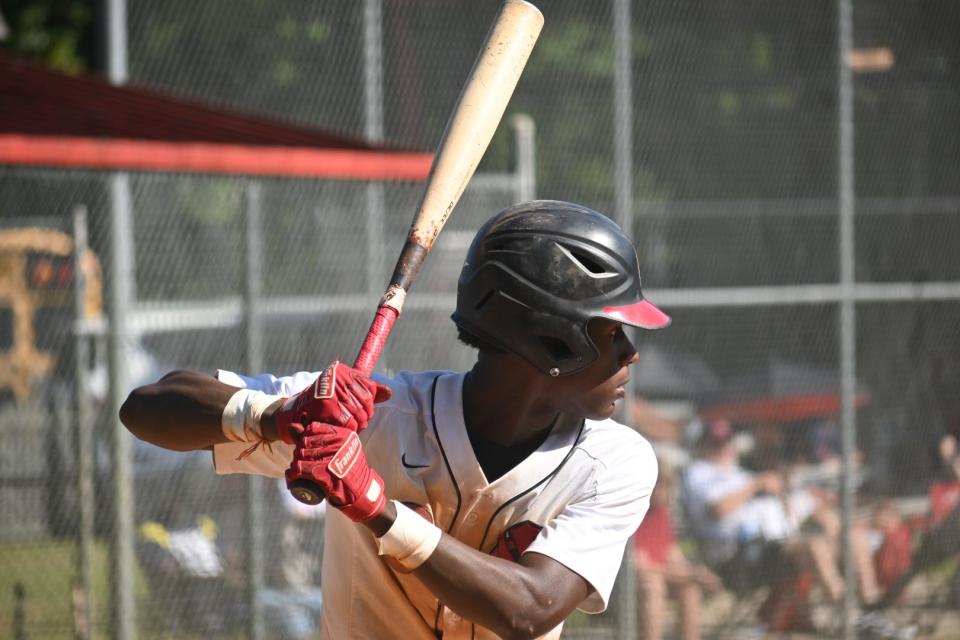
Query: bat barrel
468, 133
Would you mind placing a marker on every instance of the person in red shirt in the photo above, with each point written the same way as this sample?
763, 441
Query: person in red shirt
938, 542
945, 491
663, 570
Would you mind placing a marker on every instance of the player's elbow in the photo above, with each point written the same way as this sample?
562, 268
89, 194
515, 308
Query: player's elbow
133, 411
143, 409
527, 625
523, 633
136, 413
531, 616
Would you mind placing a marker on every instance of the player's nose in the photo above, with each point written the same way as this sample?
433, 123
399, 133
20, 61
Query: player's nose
630, 355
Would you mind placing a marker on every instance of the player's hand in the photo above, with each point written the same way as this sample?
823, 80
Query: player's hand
770, 483
341, 396
707, 578
332, 457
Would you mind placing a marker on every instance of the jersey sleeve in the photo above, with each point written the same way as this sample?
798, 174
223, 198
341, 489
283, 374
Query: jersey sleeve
589, 536
269, 461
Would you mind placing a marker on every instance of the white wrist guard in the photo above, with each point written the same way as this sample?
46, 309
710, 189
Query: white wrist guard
241, 416
410, 540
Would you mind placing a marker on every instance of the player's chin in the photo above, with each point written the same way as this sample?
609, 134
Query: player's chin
603, 409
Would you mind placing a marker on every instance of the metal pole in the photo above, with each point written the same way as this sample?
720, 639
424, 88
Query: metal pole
83, 596
525, 131
256, 538
627, 624
117, 52
373, 69
373, 131
848, 335
122, 295
623, 115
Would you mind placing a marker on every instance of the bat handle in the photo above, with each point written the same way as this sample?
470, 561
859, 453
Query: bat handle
307, 491
376, 337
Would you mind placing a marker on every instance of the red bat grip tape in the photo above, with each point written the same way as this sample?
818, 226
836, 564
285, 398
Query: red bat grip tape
376, 338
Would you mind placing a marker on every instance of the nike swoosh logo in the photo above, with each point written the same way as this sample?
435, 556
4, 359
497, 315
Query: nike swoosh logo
403, 461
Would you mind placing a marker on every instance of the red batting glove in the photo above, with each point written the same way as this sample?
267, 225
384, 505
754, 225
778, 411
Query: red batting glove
332, 457
341, 396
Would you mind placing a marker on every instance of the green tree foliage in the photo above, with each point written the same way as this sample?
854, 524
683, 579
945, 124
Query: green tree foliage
61, 32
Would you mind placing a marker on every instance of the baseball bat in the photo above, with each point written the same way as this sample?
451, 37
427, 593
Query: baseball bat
471, 126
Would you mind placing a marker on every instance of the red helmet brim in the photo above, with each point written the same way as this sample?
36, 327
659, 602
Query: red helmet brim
639, 314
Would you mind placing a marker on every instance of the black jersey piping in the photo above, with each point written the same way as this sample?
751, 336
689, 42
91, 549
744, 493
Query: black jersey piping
573, 447
453, 480
531, 488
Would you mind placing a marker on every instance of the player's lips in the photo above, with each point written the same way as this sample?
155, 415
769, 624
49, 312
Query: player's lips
621, 390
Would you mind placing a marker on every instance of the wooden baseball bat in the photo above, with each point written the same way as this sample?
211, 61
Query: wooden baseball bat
471, 126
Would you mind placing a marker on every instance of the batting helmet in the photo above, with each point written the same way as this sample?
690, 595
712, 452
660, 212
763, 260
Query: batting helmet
537, 272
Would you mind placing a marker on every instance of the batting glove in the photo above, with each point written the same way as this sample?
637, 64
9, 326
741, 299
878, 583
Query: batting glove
341, 396
332, 457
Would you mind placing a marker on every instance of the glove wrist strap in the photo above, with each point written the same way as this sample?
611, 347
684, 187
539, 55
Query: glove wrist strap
241, 416
410, 540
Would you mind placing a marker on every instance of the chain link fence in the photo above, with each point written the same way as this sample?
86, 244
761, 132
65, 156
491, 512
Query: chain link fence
733, 183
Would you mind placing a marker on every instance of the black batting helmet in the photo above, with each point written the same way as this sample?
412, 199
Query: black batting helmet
537, 272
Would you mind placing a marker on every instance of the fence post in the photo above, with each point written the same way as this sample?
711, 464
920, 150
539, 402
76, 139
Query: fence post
524, 130
122, 296
848, 329
86, 499
627, 626
253, 250
121, 299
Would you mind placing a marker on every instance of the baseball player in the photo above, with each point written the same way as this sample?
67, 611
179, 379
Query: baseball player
480, 504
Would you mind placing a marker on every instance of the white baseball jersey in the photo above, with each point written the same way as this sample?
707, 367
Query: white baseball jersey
576, 499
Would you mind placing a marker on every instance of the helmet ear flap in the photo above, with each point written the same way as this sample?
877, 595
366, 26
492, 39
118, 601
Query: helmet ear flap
557, 348
544, 340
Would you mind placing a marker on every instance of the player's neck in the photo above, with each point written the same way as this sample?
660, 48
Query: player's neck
502, 403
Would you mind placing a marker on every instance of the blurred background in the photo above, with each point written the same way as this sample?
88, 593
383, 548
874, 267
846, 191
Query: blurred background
789, 171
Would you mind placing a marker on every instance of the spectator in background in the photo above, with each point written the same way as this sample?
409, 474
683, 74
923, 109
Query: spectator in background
293, 603
749, 524
663, 569
892, 557
201, 594
939, 542
670, 432
944, 492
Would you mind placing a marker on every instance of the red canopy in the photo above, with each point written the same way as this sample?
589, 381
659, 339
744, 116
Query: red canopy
56, 120
781, 393
782, 410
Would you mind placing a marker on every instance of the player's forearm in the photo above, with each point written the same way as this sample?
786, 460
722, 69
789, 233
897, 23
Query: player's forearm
510, 599
515, 600
182, 411
733, 501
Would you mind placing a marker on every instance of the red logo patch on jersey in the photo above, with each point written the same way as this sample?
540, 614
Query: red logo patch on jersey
326, 383
345, 456
515, 540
